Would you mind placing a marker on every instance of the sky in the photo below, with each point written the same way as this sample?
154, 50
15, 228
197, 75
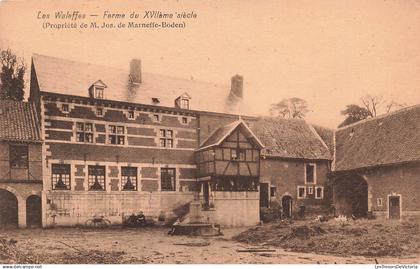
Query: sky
330, 53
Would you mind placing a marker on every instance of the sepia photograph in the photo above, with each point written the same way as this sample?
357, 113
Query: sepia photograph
210, 132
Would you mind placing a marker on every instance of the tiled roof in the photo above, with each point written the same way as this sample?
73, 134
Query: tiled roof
388, 139
219, 135
18, 121
327, 135
290, 138
74, 78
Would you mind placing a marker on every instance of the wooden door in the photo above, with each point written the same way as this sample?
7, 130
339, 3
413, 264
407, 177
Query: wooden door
394, 206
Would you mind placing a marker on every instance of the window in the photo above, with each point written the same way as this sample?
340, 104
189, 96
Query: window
131, 114
379, 202
116, 135
185, 104
156, 117
155, 100
96, 177
99, 111
319, 192
273, 191
167, 179
99, 92
18, 156
310, 190
237, 154
301, 192
65, 107
166, 138
310, 173
184, 120
60, 176
129, 178
84, 132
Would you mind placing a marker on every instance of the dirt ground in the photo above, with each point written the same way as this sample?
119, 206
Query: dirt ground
149, 245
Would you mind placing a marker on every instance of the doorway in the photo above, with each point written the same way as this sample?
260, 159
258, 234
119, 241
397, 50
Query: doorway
8, 209
206, 195
394, 206
33, 211
264, 194
287, 204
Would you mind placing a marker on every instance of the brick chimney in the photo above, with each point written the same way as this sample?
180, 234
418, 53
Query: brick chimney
237, 85
135, 70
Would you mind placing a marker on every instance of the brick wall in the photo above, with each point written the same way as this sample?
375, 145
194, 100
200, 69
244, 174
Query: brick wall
287, 175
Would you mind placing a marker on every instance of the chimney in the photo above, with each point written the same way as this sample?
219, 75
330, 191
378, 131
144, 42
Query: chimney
135, 70
237, 86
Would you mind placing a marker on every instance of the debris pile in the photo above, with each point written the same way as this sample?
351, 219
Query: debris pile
369, 238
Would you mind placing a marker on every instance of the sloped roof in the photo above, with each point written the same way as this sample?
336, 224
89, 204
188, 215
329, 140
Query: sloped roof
388, 139
18, 121
220, 134
290, 138
74, 78
327, 135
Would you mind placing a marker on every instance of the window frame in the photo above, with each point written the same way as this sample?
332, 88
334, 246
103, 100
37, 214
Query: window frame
101, 110
116, 134
304, 192
85, 133
68, 183
167, 169
131, 114
128, 175
310, 190
184, 103
316, 192
166, 138
15, 161
95, 167
65, 108
314, 173
99, 92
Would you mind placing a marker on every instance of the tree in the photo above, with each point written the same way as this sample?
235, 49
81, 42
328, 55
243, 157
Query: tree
354, 113
372, 106
289, 108
12, 75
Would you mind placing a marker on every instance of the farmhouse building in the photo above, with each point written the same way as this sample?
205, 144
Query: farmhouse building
108, 142
20, 165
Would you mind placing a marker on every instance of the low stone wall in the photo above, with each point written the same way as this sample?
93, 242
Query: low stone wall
236, 209
63, 208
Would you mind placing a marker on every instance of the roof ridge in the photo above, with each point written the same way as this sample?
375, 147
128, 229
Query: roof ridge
125, 70
379, 116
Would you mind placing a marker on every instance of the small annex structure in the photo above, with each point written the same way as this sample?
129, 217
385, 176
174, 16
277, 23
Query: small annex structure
228, 168
295, 165
20, 165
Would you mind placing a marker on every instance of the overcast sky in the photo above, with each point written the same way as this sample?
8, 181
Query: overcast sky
329, 53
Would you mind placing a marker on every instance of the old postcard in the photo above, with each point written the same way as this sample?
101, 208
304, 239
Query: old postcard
210, 132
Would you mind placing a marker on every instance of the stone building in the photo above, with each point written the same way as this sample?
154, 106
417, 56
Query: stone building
20, 165
118, 142
376, 169
295, 166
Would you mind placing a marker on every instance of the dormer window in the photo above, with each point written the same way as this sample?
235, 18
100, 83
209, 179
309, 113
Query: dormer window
99, 93
97, 90
183, 101
155, 100
185, 104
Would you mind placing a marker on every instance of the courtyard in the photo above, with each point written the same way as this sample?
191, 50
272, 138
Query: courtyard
154, 245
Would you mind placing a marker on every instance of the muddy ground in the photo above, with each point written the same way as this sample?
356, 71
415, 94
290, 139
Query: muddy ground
152, 245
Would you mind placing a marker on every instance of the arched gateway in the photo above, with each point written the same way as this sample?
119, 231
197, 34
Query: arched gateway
351, 196
8, 209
